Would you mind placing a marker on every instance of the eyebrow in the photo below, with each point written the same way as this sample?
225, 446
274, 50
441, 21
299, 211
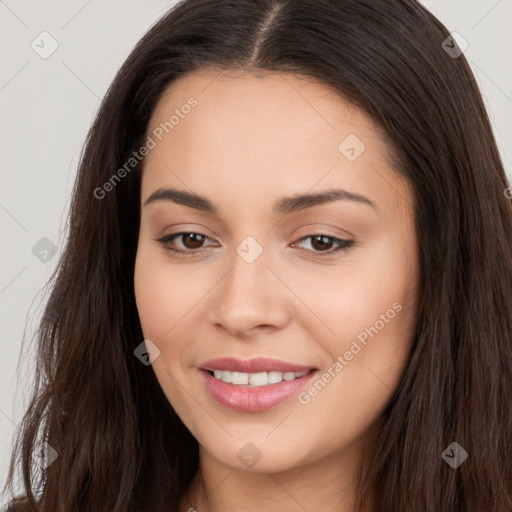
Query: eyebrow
285, 205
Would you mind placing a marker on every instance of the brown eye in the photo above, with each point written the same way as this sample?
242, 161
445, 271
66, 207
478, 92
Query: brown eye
325, 245
192, 240
185, 243
321, 243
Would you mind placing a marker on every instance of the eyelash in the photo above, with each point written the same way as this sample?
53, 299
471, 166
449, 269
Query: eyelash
344, 245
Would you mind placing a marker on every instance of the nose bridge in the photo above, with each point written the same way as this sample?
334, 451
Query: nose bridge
247, 282
250, 294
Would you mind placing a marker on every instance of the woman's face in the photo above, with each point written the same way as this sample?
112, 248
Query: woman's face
281, 268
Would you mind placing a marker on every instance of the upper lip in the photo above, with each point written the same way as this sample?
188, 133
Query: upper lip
259, 364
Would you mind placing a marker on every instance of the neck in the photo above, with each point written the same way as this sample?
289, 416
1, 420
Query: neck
327, 484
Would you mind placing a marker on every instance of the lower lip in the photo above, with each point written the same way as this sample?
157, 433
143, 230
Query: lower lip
253, 399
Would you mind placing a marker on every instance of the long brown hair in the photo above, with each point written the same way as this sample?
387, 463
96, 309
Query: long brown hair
121, 447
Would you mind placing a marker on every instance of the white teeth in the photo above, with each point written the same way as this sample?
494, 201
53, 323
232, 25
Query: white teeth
240, 378
274, 377
256, 379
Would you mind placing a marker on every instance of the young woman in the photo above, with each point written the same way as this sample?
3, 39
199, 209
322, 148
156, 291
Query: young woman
287, 283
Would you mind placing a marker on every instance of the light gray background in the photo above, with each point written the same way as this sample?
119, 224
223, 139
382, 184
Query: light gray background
48, 105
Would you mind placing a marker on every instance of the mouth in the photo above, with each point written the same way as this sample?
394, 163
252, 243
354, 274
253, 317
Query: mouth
255, 385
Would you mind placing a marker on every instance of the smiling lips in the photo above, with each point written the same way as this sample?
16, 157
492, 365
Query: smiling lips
253, 385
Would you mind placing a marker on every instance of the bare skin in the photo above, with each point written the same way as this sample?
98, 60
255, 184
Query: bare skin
250, 141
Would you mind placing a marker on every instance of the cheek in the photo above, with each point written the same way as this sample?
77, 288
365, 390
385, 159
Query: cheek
164, 296
164, 293
368, 357
348, 298
153, 300
370, 310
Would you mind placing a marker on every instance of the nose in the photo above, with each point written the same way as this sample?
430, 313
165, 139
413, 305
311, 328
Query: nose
250, 298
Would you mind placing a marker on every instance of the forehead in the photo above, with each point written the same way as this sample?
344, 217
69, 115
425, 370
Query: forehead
283, 97
285, 130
